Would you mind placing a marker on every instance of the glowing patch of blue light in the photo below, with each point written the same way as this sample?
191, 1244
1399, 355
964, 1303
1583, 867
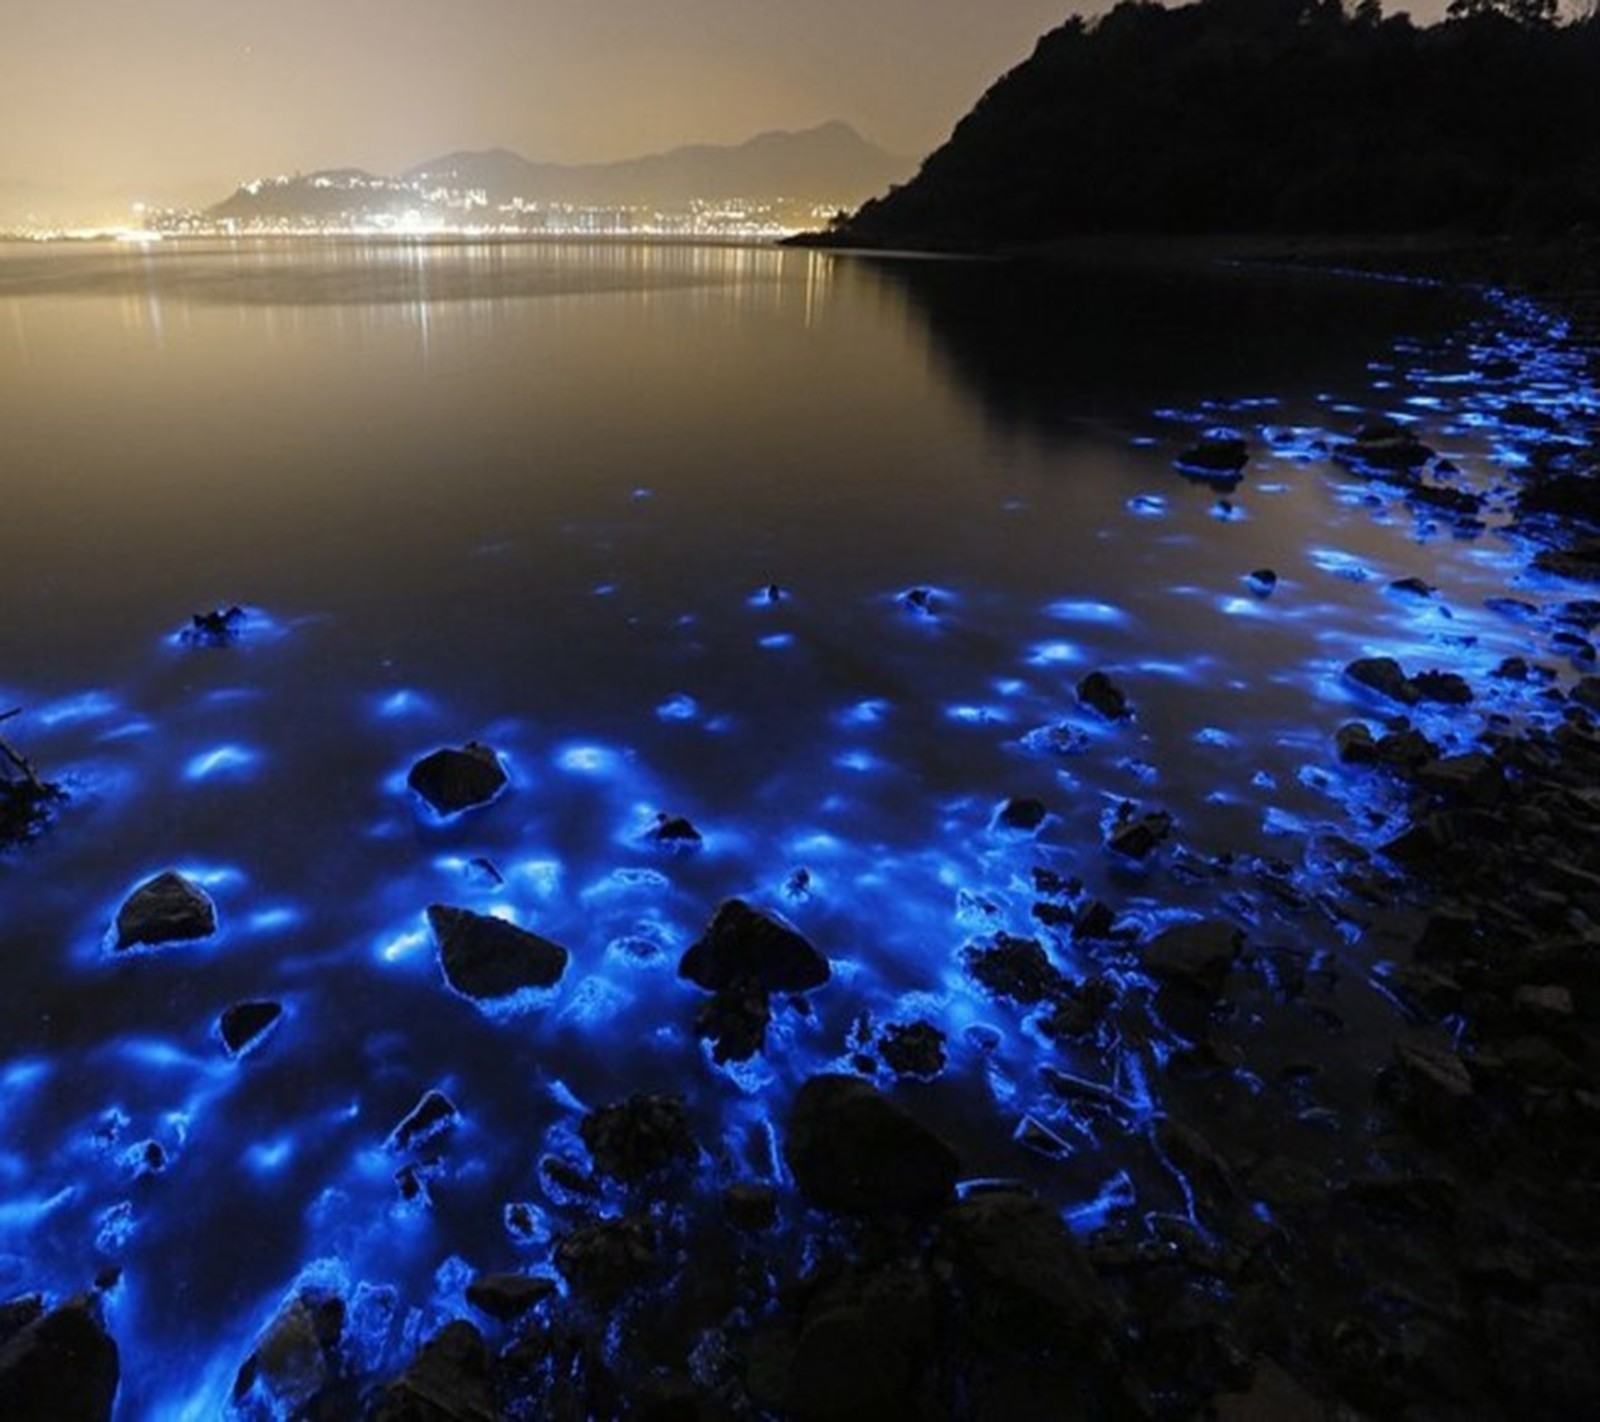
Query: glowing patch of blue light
978, 715
1102, 614
678, 708
1215, 736
21, 1215
777, 641
90, 706
860, 761
406, 945
1231, 606
864, 713
274, 920
590, 760
1148, 506
1054, 654
222, 762
398, 705
540, 877
595, 1001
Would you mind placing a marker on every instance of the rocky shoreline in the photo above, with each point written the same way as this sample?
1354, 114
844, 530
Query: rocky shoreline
1423, 1244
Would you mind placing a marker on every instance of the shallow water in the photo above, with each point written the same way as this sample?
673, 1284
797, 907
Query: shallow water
535, 494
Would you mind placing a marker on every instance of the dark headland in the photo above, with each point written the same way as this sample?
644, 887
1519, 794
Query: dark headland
1442, 1258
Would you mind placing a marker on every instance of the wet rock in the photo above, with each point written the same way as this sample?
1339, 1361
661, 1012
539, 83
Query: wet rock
1021, 1280
1194, 956
853, 1151
507, 1297
1138, 836
1383, 675
1567, 496
1580, 563
1219, 453
1103, 696
298, 1354
244, 1025
913, 1049
165, 909
455, 780
676, 832
605, 1259
16, 1314
219, 627
741, 943
487, 958
1023, 814
1355, 745
922, 601
1447, 688
450, 1380
1383, 446
1015, 968
735, 1021
1431, 1084
1262, 582
751, 1208
60, 1366
1474, 777
640, 1137
433, 1115
1413, 587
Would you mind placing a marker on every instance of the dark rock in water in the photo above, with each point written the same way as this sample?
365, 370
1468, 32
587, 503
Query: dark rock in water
1384, 446
16, 1314
1262, 582
605, 1259
1219, 454
1383, 675
750, 1207
1431, 1084
455, 780
921, 601
1022, 813
853, 1151
735, 1021
1568, 497
1194, 956
676, 832
1355, 744
486, 957
434, 1114
1102, 695
742, 943
243, 1025
61, 1366
1449, 688
634, 1139
1138, 836
1475, 777
297, 1355
1015, 968
165, 909
1581, 562
913, 1049
1021, 1280
450, 1380
1414, 587
219, 627
507, 1297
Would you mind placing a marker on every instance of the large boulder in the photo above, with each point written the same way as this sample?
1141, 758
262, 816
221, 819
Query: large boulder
853, 1151
743, 944
486, 958
454, 780
60, 1367
165, 909
1195, 957
450, 1380
634, 1139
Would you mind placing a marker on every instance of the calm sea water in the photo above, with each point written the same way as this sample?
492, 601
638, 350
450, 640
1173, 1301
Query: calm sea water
535, 494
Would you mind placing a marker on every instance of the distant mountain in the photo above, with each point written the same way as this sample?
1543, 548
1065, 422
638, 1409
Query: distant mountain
832, 164
1232, 116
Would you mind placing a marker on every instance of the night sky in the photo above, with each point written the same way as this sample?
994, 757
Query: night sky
184, 99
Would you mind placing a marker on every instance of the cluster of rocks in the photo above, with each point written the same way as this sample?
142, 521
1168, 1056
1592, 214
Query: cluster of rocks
26, 801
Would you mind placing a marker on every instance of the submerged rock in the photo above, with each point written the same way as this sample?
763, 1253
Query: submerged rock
1022, 813
455, 780
675, 832
913, 1049
243, 1025
1262, 582
1195, 956
1383, 675
297, 1355
506, 1297
1015, 968
741, 943
219, 627
165, 909
61, 1366
1384, 446
1137, 836
735, 1021
1102, 695
642, 1136
434, 1114
1220, 454
487, 958
853, 1151
605, 1259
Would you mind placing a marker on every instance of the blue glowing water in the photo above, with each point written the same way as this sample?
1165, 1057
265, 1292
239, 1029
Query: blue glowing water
810, 550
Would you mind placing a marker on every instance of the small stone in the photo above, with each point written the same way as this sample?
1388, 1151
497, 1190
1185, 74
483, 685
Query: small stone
605, 1259
451, 1379
1355, 744
1545, 1002
913, 1049
921, 601
1024, 814
1103, 696
1015, 968
1262, 582
165, 909
1196, 956
853, 1151
1220, 453
676, 832
434, 1114
244, 1025
506, 1297
1383, 675
485, 957
1448, 688
1384, 446
219, 627
735, 1021
1137, 837
743, 943
1413, 587
455, 780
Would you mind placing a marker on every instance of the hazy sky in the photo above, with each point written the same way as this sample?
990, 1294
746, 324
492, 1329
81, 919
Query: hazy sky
106, 94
